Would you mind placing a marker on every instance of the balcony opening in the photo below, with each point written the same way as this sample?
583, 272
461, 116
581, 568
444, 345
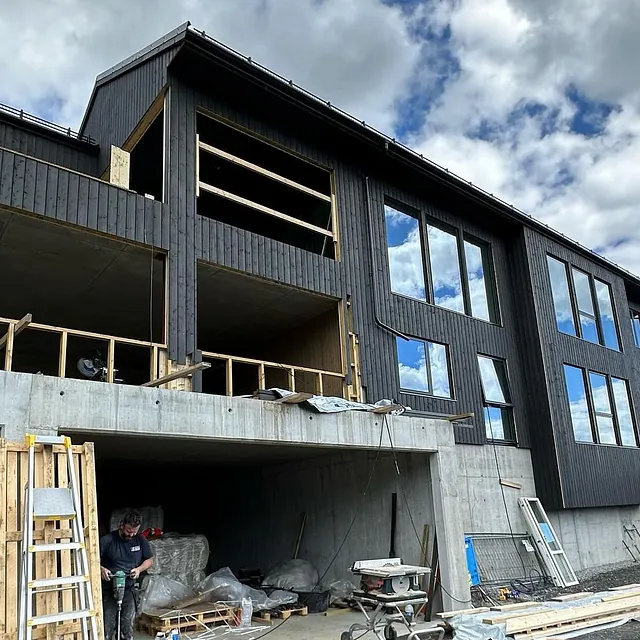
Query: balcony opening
259, 334
80, 297
251, 184
146, 169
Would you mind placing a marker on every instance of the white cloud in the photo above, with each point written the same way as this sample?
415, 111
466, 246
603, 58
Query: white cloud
358, 54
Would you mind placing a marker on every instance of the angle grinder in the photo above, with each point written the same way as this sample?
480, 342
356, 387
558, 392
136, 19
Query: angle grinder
119, 582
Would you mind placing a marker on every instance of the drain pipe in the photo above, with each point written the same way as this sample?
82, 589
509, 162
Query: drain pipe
374, 286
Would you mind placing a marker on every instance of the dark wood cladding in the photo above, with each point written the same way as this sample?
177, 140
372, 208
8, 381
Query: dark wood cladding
58, 194
119, 104
591, 475
36, 143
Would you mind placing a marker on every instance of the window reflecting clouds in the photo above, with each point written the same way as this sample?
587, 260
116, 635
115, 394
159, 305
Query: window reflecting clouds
445, 269
561, 297
607, 318
404, 248
424, 367
578, 405
498, 414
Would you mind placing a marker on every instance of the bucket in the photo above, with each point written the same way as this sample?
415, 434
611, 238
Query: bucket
315, 601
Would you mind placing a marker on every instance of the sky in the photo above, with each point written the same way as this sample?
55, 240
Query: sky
538, 102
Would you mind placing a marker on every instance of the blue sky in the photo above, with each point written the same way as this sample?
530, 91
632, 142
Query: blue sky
536, 102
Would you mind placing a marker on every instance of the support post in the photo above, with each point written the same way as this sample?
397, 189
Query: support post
110, 360
292, 379
229, 377
8, 355
62, 360
262, 378
153, 374
17, 328
181, 373
319, 385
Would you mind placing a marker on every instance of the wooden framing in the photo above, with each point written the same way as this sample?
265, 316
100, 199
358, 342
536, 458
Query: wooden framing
265, 172
262, 365
260, 207
51, 467
15, 326
147, 120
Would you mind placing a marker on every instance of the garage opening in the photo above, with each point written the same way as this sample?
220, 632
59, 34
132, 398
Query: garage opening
249, 500
90, 298
260, 334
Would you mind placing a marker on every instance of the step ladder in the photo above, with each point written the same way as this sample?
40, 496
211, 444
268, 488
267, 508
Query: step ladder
52, 505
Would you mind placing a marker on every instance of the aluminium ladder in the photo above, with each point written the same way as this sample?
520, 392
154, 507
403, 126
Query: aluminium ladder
54, 504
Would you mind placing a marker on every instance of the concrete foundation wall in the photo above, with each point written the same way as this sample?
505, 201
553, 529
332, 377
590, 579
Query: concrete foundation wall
482, 506
329, 489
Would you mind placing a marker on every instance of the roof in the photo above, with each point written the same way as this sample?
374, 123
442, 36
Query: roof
185, 33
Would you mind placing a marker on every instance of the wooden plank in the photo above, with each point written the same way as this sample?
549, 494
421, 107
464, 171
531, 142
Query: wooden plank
40, 560
175, 375
17, 328
229, 377
515, 606
262, 380
561, 616
62, 359
13, 522
335, 227
58, 534
65, 556
626, 586
508, 483
51, 560
621, 595
259, 207
261, 170
146, 121
3, 534
568, 628
572, 596
111, 356
153, 374
90, 519
292, 379
8, 354
296, 398
462, 612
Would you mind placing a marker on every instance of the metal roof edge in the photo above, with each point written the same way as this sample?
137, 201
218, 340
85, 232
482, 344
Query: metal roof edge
420, 162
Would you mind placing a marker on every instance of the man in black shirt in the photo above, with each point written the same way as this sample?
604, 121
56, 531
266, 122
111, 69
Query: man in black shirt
123, 550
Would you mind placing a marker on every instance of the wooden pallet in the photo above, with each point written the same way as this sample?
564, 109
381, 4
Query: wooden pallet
190, 618
266, 615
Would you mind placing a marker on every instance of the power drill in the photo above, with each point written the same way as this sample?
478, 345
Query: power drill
119, 581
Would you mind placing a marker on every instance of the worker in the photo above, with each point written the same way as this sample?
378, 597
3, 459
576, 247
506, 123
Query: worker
123, 550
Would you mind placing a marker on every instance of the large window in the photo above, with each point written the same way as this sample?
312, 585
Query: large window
404, 247
498, 410
424, 367
459, 266
583, 305
600, 407
635, 325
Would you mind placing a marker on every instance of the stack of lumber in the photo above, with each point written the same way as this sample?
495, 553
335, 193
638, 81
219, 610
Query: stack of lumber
527, 623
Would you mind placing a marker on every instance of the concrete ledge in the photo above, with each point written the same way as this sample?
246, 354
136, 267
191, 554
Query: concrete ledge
44, 403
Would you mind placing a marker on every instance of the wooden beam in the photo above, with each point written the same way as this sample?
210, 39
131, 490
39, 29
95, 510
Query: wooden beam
512, 485
296, 398
198, 143
62, 359
459, 416
259, 207
111, 356
17, 328
229, 377
8, 354
183, 373
262, 380
147, 120
265, 172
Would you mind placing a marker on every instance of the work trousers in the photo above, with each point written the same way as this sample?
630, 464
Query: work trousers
110, 613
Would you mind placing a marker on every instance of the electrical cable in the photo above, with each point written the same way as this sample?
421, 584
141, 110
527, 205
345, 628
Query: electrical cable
355, 515
406, 501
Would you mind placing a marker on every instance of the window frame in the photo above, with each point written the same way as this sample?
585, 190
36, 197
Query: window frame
509, 406
576, 312
461, 236
426, 273
594, 413
429, 393
635, 314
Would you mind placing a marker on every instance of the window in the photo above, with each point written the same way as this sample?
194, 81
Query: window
635, 325
404, 248
603, 414
424, 367
583, 305
561, 296
498, 410
459, 267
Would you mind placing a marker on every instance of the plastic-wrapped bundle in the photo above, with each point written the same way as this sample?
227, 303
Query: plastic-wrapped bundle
161, 593
181, 558
223, 586
151, 517
295, 575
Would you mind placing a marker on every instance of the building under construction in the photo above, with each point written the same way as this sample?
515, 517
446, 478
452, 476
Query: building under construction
214, 232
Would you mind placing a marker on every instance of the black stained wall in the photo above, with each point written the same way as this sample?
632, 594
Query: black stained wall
36, 142
118, 105
591, 475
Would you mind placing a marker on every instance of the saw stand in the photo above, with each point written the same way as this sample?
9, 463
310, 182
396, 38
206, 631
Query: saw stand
389, 588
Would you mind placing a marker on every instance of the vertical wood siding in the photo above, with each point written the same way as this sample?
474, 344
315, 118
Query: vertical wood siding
43, 147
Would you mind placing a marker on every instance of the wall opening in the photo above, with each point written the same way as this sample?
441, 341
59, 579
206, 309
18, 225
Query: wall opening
147, 173
251, 184
245, 316
80, 289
